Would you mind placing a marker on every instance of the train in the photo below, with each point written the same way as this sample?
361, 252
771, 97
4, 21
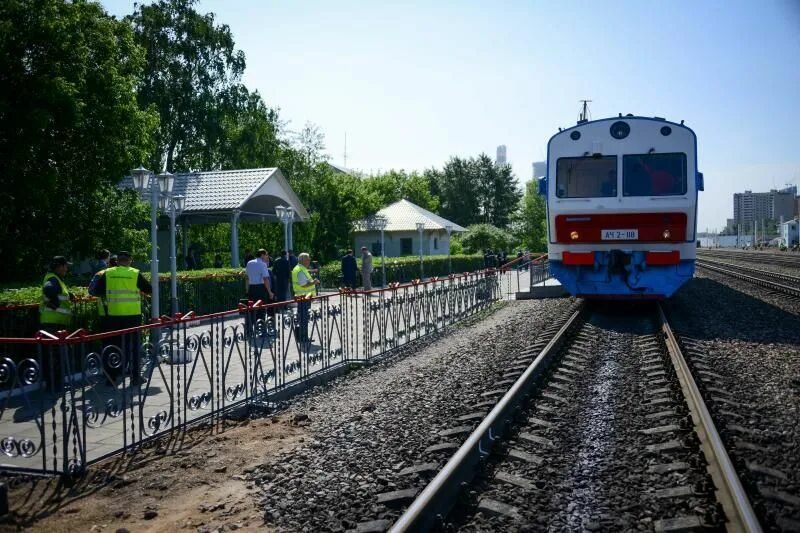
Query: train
621, 196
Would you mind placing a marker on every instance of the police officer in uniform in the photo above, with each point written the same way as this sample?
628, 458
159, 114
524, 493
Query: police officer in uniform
55, 314
119, 287
304, 286
55, 311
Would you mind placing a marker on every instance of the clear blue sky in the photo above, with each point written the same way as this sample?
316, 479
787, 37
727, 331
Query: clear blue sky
413, 83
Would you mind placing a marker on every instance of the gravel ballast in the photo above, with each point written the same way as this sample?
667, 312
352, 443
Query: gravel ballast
367, 427
751, 346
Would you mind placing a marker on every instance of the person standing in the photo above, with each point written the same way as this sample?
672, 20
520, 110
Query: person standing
292, 260
55, 311
281, 273
103, 258
304, 288
55, 314
366, 268
258, 280
121, 286
349, 269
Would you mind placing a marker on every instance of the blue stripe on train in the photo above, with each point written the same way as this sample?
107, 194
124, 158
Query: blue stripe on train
635, 280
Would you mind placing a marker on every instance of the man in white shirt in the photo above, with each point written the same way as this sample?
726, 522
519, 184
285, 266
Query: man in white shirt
258, 281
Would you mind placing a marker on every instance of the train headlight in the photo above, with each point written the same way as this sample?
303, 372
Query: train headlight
667, 234
574, 236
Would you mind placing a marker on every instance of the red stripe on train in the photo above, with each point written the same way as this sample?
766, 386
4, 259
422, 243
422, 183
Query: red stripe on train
577, 258
651, 227
663, 258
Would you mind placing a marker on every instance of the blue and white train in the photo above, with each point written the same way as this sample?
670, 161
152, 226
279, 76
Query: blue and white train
622, 207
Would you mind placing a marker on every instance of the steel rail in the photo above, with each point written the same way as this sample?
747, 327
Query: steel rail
742, 268
754, 257
439, 496
729, 490
786, 289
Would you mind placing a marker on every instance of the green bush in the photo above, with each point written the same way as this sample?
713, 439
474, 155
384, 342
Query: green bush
404, 269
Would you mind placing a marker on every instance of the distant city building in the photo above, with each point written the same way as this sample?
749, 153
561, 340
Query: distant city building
759, 207
539, 169
501, 154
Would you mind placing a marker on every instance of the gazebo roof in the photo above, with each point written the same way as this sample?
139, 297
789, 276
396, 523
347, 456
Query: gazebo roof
404, 215
214, 195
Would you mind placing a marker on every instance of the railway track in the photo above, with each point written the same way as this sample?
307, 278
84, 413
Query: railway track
781, 283
603, 427
788, 259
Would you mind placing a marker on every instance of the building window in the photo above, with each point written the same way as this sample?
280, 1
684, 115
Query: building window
406, 247
436, 243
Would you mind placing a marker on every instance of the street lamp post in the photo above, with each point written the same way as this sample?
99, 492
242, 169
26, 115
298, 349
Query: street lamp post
160, 188
284, 215
420, 227
174, 205
449, 230
380, 223
142, 179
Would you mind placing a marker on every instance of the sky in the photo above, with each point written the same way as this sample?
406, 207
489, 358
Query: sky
413, 83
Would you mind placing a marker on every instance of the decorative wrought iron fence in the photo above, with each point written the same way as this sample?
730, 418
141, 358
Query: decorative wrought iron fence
70, 400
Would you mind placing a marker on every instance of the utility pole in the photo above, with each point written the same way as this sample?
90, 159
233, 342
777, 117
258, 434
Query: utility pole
345, 150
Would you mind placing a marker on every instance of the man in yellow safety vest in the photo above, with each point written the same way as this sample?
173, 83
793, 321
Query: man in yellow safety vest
55, 311
55, 314
304, 286
120, 286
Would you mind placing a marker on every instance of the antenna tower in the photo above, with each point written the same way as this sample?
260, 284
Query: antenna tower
584, 116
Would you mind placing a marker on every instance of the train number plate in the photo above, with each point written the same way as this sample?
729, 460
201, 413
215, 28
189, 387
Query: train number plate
620, 234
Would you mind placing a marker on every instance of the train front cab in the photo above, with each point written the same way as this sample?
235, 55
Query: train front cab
622, 211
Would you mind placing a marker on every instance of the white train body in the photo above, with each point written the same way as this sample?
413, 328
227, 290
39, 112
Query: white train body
622, 207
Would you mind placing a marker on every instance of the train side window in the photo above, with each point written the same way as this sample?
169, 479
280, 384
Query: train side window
586, 177
654, 174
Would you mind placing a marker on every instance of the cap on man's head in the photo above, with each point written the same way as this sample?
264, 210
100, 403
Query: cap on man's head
60, 260
123, 255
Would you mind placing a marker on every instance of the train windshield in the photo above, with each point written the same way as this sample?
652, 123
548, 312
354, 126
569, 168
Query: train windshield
654, 175
586, 177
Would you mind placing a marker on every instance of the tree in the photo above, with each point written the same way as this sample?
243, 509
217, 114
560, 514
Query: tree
476, 190
70, 128
394, 185
479, 237
459, 198
250, 134
530, 222
191, 80
417, 189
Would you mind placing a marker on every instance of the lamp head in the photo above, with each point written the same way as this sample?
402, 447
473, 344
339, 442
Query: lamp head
140, 177
166, 181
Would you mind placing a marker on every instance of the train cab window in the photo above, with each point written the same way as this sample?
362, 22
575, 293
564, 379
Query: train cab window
586, 177
654, 175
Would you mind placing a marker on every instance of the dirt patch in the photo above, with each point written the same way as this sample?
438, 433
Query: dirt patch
198, 482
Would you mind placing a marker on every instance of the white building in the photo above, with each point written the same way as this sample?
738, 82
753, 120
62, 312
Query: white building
790, 232
401, 236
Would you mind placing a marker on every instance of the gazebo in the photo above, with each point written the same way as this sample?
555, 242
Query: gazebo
233, 196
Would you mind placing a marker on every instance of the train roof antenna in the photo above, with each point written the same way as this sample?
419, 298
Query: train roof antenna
584, 116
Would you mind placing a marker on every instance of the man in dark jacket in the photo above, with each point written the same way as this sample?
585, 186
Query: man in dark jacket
349, 269
281, 272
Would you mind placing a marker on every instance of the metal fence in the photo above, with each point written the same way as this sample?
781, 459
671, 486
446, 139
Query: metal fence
68, 401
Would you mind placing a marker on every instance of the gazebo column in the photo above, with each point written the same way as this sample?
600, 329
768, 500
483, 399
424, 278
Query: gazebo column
235, 239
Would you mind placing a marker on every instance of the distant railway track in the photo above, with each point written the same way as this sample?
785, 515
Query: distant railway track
788, 259
599, 388
782, 283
